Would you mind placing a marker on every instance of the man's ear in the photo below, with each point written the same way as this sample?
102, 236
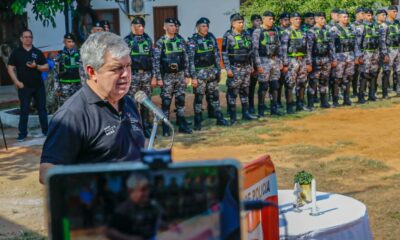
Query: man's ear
90, 72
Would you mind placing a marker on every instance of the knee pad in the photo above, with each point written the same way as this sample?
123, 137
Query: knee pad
166, 102
180, 100
198, 99
263, 86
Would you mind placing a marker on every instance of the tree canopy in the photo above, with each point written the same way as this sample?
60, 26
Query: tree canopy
278, 6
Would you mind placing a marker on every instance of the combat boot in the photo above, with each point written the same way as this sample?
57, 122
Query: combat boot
245, 113
197, 121
274, 111
166, 130
261, 110
324, 101
232, 114
310, 102
183, 127
361, 98
385, 84
221, 120
289, 108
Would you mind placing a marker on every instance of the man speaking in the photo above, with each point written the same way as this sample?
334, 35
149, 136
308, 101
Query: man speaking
98, 123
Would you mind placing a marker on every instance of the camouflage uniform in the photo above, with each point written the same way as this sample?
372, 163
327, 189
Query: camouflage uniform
373, 43
323, 53
330, 25
171, 65
237, 54
67, 65
253, 79
205, 66
357, 26
283, 75
142, 72
296, 54
346, 47
266, 48
391, 30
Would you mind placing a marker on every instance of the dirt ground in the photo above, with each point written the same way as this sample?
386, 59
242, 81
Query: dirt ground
353, 151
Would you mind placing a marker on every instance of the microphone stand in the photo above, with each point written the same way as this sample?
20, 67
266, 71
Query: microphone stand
156, 121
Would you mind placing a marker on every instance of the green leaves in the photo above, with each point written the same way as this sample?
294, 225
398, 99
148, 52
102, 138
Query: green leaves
303, 178
278, 6
44, 10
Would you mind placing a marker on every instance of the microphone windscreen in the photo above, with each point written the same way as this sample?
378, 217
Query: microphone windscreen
140, 97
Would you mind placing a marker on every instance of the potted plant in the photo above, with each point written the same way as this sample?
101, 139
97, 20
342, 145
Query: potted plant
304, 179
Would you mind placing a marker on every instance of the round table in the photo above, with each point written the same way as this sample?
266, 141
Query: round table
342, 218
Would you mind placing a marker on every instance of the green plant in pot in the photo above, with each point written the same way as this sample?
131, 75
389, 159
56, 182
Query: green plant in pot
304, 179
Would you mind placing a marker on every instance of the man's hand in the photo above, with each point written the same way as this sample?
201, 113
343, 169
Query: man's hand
285, 69
230, 73
58, 94
194, 83
309, 68
31, 64
260, 70
386, 59
153, 82
160, 83
19, 85
334, 64
359, 61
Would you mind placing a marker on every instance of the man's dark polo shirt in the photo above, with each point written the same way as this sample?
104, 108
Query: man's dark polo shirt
30, 77
87, 129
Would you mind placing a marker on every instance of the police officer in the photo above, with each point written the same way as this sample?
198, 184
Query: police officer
373, 43
171, 66
205, 61
296, 54
358, 26
393, 44
266, 46
284, 23
67, 67
143, 78
237, 54
309, 21
385, 66
346, 54
97, 27
334, 18
255, 23
323, 52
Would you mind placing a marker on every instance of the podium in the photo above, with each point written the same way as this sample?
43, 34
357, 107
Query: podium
260, 184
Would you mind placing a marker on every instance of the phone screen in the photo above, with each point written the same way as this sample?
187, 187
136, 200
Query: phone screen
177, 203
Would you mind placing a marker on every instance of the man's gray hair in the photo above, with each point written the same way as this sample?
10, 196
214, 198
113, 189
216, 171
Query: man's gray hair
135, 179
95, 48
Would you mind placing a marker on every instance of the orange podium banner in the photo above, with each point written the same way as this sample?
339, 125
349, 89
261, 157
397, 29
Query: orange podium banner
260, 184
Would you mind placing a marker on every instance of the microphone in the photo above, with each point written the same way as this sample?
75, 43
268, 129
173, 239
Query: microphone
141, 98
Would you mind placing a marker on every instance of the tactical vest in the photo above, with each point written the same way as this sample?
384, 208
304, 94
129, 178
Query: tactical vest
140, 53
393, 37
371, 37
240, 51
297, 44
204, 55
269, 43
172, 58
68, 70
346, 41
322, 43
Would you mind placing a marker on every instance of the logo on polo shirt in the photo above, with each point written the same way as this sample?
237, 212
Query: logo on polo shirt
110, 130
134, 122
34, 56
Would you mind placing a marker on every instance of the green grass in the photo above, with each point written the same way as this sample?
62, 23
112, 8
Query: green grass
394, 215
349, 166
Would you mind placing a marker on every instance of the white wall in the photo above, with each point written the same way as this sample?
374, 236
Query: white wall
47, 38
189, 11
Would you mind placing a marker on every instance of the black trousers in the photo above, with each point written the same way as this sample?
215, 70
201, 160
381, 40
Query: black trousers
25, 96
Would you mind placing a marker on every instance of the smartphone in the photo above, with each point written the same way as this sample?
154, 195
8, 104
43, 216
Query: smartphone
192, 200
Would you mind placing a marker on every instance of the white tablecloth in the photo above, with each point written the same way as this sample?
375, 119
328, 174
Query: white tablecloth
342, 218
